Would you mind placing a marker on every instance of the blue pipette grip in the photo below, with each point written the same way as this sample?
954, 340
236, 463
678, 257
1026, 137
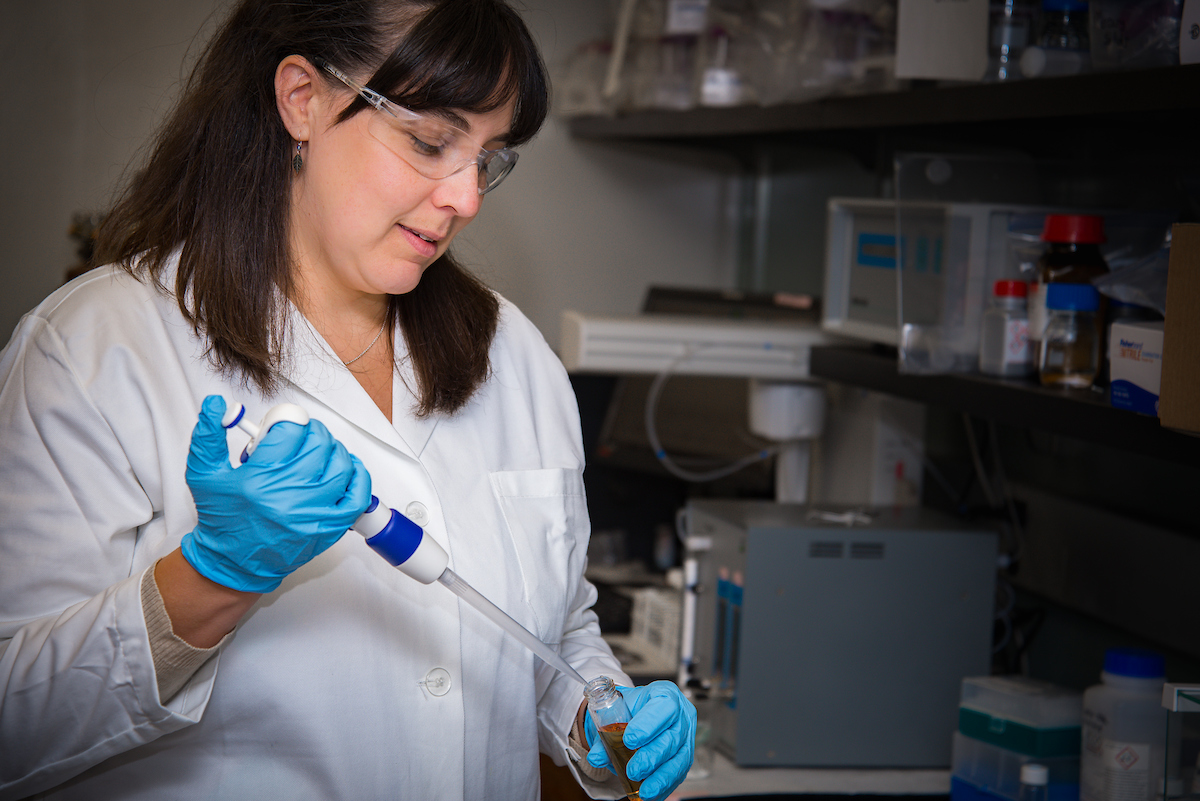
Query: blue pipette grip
398, 540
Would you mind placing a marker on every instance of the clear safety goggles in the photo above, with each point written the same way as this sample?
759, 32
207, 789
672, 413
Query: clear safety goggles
431, 146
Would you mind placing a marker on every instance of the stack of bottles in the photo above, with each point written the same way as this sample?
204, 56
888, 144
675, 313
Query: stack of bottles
1006, 723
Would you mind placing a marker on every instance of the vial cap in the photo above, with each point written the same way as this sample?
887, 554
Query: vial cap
1033, 773
1010, 289
1072, 297
1137, 663
1064, 5
1081, 229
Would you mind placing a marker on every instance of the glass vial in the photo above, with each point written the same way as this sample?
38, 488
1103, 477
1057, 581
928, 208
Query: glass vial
1004, 333
607, 707
1035, 782
1063, 48
1069, 355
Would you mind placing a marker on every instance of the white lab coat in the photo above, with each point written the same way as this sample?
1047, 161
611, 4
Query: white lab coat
320, 693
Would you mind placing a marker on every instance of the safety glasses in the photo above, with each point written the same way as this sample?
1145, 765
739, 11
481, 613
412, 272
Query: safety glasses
431, 146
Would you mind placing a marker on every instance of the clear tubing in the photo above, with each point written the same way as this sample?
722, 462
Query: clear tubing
472, 596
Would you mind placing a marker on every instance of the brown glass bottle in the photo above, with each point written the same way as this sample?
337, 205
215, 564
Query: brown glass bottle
1072, 257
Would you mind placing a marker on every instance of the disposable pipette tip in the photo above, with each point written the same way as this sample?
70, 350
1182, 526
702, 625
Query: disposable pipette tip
497, 615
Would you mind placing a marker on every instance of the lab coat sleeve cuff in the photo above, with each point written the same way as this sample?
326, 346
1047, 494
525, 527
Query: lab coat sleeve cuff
175, 661
577, 739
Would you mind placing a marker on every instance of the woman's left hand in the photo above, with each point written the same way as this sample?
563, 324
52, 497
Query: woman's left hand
662, 729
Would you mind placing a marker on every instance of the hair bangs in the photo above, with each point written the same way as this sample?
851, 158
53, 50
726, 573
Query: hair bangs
473, 55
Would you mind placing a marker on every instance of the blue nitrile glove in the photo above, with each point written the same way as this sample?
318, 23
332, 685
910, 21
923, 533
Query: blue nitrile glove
662, 729
296, 495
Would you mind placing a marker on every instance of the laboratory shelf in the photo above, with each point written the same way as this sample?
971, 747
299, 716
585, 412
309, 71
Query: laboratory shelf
1078, 414
1114, 98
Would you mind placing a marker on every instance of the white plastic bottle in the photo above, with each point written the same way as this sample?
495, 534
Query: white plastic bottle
1035, 780
1124, 729
1004, 348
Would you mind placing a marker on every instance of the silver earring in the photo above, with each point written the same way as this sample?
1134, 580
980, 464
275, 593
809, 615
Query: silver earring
297, 160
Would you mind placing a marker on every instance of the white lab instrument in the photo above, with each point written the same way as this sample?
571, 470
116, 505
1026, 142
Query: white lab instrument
402, 542
786, 406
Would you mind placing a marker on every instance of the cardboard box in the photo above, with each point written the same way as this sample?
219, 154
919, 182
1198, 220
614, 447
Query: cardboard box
1135, 365
1179, 396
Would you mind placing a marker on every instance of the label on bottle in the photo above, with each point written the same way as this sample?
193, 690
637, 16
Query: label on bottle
1037, 311
1016, 343
721, 87
1116, 771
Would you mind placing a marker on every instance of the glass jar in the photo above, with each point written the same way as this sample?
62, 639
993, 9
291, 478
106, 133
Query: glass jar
1063, 48
610, 714
1069, 354
1072, 256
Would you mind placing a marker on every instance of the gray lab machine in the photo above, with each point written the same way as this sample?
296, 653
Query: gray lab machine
833, 645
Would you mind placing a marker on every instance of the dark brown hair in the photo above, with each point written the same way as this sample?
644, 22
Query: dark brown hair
217, 183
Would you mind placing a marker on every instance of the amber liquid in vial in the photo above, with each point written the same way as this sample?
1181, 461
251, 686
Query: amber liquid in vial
614, 743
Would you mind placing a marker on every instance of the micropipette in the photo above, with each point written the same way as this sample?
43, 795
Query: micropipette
402, 542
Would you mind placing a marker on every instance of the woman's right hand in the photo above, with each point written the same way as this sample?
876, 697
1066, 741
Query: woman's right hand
295, 496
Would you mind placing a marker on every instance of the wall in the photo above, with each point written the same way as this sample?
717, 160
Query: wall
85, 83
576, 225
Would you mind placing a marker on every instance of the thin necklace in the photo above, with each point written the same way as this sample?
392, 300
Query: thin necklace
373, 341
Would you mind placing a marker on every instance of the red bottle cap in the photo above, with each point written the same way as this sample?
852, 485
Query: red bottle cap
1010, 289
1082, 229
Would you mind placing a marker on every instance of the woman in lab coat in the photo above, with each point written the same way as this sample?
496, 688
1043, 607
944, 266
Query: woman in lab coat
209, 632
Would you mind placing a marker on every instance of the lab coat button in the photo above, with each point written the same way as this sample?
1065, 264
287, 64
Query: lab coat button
437, 682
417, 513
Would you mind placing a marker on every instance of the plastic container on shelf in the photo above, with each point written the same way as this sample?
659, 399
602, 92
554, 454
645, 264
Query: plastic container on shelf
1069, 353
1004, 348
720, 82
1028, 716
578, 91
1182, 775
996, 772
1124, 729
1134, 34
1063, 46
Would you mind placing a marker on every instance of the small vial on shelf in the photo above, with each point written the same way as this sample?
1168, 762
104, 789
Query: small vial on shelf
1004, 332
1035, 780
607, 707
1069, 355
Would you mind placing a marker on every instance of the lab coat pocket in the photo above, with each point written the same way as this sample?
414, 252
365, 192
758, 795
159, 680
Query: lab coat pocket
546, 514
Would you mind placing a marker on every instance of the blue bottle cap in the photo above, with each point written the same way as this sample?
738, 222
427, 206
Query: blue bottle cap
1064, 5
1137, 663
1072, 297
